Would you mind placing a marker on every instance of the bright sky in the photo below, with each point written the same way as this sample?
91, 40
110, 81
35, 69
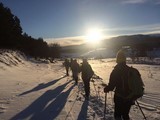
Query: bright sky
72, 18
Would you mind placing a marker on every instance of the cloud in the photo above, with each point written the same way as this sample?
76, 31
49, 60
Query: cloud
157, 2
66, 41
130, 30
110, 32
141, 27
134, 1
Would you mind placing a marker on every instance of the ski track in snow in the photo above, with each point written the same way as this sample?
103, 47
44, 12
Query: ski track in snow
41, 91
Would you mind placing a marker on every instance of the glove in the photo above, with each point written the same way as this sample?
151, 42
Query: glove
106, 89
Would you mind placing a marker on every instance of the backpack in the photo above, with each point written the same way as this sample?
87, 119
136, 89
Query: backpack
91, 73
87, 71
135, 84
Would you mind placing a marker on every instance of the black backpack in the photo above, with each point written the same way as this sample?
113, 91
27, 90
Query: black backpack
135, 83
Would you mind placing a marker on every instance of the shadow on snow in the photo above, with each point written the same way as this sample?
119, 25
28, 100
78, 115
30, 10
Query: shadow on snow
83, 113
42, 86
48, 106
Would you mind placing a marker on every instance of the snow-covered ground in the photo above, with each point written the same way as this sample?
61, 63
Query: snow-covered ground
39, 90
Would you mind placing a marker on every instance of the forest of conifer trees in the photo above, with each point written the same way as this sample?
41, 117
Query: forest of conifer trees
13, 37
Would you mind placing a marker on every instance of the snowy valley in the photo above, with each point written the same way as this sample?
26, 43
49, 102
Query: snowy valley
39, 90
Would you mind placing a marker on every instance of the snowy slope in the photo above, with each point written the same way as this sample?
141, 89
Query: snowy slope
40, 90
99, 53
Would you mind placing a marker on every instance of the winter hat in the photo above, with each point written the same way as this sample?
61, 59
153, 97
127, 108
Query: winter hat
120, 57
84, 60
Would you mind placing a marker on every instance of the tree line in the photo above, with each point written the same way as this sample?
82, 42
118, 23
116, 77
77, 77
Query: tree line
12, 37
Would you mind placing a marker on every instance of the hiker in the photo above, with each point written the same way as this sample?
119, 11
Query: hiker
71, 66
66, 65
118, 81
76, 69
87, 73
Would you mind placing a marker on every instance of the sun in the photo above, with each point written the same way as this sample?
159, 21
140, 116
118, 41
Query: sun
94, 35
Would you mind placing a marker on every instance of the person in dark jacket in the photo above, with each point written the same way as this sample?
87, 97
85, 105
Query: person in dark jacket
71, 66
66, 65
87, 73
75, 69
119, 82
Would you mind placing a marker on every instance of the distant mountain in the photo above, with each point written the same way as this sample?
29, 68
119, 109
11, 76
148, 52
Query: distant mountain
139, 42
77, 48
155, 35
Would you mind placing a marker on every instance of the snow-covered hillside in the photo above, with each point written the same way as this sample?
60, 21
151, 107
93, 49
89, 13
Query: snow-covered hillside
99, 53
103, 53
39, 90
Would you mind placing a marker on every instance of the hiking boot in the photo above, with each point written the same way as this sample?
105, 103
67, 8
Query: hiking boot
75, 83
87, 98
132, 102
118, 118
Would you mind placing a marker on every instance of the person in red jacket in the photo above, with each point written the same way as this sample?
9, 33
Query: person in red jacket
119, 83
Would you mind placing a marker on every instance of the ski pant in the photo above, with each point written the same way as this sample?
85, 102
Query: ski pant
75, 77
67, 71
122, 108
87, 87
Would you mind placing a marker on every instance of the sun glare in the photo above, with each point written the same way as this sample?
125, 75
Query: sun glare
94, 35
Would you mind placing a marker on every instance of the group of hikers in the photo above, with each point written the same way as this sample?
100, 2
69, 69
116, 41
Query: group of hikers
86, 70
118, 82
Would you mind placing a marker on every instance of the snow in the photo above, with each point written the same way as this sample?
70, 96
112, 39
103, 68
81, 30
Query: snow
99, 53
39, 90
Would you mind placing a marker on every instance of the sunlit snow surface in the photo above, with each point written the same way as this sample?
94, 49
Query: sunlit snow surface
39, 90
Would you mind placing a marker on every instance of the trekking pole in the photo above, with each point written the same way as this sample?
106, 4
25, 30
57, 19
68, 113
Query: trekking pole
111, 98
141, 110
105, 105
97, 77
99, 92
95, 89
